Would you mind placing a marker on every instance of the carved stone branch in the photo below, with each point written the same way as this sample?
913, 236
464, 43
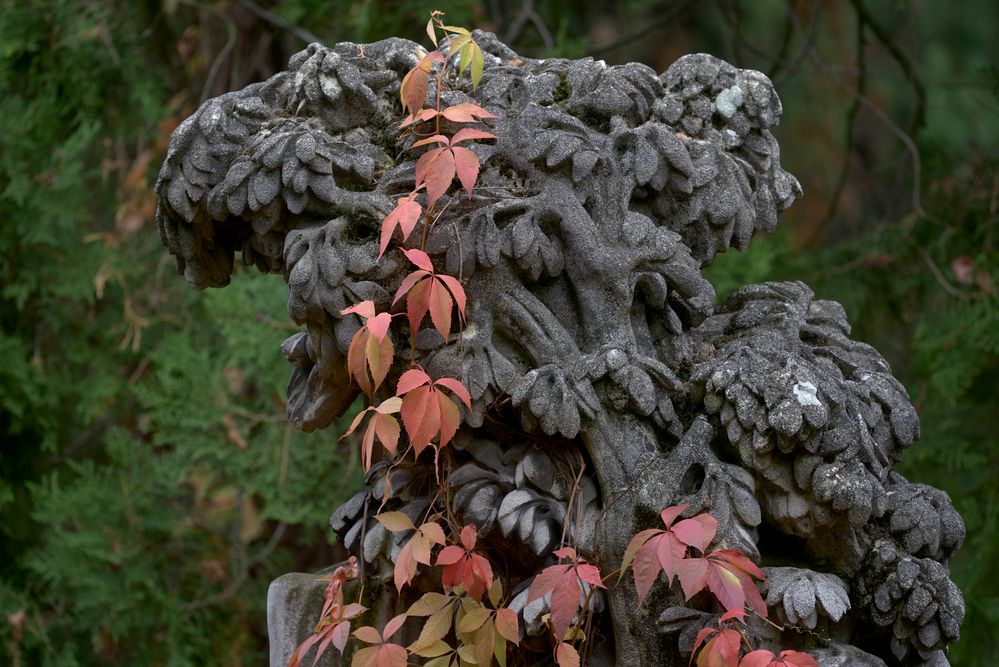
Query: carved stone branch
593, 349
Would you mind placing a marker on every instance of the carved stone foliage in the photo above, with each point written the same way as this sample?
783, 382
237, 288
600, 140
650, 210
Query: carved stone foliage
606, 383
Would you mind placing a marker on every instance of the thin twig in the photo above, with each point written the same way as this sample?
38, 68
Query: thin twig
279, 22
906, 140
940, 278
665, 17
899, 56
851, 118
806, 48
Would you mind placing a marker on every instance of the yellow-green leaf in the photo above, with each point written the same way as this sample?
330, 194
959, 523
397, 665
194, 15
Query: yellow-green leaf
457, 30
435, 629
395, 521
478, 62
474, 619
465, 56
496, 592
431, 32
467, 653
438, 648
429, 604
499, 649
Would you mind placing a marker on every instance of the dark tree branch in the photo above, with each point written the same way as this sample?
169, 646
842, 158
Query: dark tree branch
278, 22
851, 118
904, 63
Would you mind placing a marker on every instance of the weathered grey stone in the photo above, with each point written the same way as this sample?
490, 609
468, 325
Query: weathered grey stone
593, 349
294, 601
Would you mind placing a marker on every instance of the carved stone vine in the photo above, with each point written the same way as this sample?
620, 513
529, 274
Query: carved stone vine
600, 367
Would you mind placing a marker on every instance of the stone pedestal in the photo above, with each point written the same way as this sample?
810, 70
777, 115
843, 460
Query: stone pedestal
294, 601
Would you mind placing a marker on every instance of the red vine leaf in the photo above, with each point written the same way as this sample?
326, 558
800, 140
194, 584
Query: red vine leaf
562, 582
656, 550
382, 426
728, 575
404, 216
427, 291
371, 352
467, 167
468, 133
566, 655
466, 112
764, 658
417, 548
507, 625
462, 566
334, 619
413, 90
721, 650
419, 117
426, 411
383, 654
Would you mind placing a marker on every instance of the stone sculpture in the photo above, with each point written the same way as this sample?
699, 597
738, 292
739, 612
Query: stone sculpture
593, 348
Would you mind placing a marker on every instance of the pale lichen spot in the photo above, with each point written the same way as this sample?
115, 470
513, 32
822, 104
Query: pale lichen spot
806, 394
728, 101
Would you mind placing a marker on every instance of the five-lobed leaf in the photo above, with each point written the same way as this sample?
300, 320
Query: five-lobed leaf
462, 566
382, 425
563, 583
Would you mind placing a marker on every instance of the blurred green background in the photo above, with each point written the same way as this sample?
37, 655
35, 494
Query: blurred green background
149, 485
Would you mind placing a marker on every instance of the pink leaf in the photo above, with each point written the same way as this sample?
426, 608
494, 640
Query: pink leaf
670, 514
450, 555
436, 139
418, 117
420, 259
697, 531
565, 552
438, 176
797, 659
466, 112
410, 380
468, 134
693, 573
645, 568
404, 216
417, 303
726, 586
408, 283
635, 544
393, 625
565, 603
457, 291
566, 655
379, 324
340, 635
468, 537
740, 560
440, 308
507, 625
759, 658
467, 167
669, 552
365, 309
590, 574
458, 388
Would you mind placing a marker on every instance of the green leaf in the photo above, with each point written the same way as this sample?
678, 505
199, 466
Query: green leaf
477, 64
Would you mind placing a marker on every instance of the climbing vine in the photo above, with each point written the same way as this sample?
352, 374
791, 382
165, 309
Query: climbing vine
469, 620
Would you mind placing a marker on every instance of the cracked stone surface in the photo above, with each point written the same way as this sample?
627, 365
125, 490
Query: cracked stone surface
593, 348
